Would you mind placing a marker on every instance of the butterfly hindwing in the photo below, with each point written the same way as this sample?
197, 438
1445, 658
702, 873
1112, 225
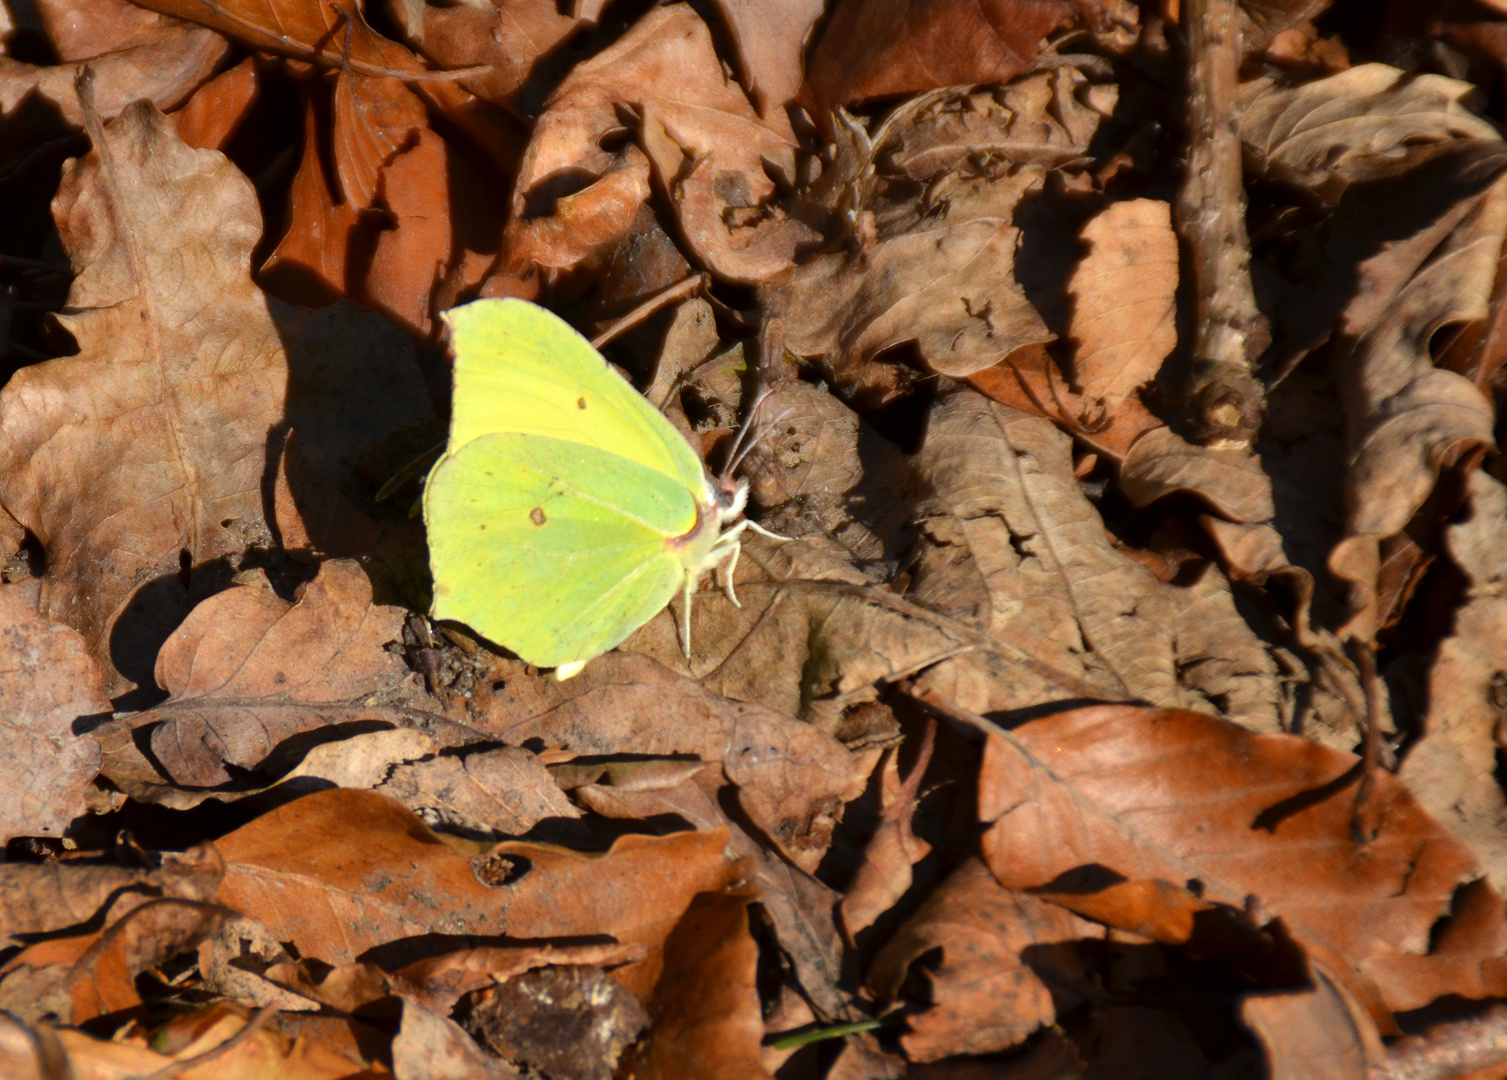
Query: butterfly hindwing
554, 548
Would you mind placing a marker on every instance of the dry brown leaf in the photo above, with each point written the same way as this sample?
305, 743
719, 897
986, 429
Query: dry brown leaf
944, 279
375, 120
1406, 418
328, 32
133, 54
499, 792
692, 115
410, 258
1318, 1033
104, 978
705, 1017
1045, 118
348, 874
1013, 546
1231, 480
1176, 796
1368, 123
129, 1057
429, 1046
770, 38
246, 670
44, 898
792, 779
884, 875
440, 981
160, 426
1123, 321
510, 37
985, 995
51, 695
1452, 768
874, 48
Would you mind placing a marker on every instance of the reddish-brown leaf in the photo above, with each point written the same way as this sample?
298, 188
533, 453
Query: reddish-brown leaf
308, 265
705, 1017
214, 113
874, 48
104, 978
1176, 796
351, 874
411, 257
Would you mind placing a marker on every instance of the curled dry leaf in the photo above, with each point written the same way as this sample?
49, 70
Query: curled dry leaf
347, 874
440, 981
944, 279
209, 118
1123, 321
104, 978
1163, 794
1229, 479
875, 48
704, 1016
506, 36
1451, 770
1317, 1033
499, 792
884, 874
44, 898
246, 670
666, 69
1368, 123
792, 779
133, 55
770, 41
51, 693
986, 993
1012, 546
1406, 418
1047, 117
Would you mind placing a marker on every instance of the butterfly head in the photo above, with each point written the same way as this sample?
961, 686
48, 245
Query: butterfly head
729, 498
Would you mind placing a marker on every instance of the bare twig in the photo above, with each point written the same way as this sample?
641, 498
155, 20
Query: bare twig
681, 289
1224, 400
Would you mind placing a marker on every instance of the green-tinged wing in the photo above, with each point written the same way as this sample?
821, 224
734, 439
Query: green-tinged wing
522, 369
555, 549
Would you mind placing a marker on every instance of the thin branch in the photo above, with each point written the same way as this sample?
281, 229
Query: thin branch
1223, 398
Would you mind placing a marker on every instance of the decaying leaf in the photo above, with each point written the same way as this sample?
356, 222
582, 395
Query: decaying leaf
1013, 546
503, 791
1368, 123
986, 993
51, 694
1451, 770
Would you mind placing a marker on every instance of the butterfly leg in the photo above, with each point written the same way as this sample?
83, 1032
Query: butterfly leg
685, 621
756, 527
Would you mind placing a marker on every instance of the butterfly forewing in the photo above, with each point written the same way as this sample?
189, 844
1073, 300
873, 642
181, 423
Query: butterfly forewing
567, 543
521, 369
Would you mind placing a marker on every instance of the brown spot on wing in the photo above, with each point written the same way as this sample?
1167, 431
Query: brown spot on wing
536, 515
580, 403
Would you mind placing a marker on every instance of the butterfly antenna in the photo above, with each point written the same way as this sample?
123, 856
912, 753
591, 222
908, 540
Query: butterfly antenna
764, 429
736, 452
